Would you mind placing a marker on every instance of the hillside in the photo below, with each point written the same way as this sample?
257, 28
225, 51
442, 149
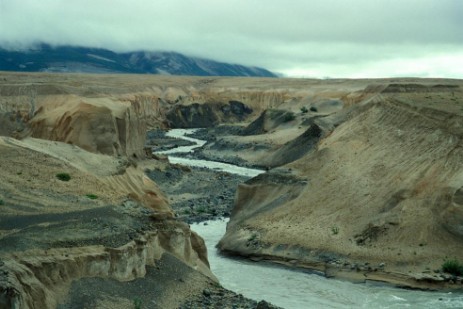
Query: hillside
46, 58
109, 226
378, 197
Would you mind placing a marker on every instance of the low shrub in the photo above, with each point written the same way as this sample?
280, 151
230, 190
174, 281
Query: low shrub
63, 176
91, 196
304, 110
289, 116
2, 202
453, 267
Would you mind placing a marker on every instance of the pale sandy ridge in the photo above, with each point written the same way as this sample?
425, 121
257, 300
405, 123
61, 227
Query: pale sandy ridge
382, 188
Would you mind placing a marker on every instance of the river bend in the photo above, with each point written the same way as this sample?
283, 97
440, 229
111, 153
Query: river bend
289, 288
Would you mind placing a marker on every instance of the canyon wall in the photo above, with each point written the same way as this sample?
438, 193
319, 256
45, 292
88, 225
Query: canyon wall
371, 174
382, 189
108, 220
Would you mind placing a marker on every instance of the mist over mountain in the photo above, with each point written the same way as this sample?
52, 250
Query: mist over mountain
47, 58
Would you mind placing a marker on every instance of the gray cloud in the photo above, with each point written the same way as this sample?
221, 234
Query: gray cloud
298, 37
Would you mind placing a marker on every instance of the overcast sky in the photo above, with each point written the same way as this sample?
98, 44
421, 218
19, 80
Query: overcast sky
310, 38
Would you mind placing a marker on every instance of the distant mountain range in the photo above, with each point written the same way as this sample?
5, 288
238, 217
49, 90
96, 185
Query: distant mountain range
46, 58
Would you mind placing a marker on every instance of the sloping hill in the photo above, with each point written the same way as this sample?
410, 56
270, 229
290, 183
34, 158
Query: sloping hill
379, 199
46, 58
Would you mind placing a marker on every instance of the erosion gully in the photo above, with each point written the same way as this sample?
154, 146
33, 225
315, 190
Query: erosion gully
286, 287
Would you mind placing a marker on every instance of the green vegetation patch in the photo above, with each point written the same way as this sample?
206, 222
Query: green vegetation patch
453, 267
63, 176
289, 116
92, 196
137, 303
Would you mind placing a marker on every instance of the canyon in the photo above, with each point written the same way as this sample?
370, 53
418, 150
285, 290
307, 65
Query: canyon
364, 182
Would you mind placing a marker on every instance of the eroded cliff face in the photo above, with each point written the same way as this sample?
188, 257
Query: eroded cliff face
96, 125
107, 221
207, 115
41, 279
107, 125
115, 107
382, 188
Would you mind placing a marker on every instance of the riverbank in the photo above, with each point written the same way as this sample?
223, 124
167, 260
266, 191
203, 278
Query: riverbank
168, 284
377, 199
212, 200
196, 194
295, 288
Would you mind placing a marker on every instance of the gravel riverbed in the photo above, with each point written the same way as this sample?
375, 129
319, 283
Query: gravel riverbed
197, 195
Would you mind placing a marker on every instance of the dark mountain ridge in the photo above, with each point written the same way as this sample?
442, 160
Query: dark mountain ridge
47, 58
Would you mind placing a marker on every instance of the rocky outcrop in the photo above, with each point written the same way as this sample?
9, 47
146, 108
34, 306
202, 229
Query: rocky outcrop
207, 115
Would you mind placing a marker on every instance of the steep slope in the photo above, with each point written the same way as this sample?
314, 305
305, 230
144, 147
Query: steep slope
97, 125
74, 204
379, 199
107, 221
207, 115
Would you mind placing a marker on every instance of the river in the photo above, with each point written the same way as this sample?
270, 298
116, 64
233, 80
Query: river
293, 289
176, 158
